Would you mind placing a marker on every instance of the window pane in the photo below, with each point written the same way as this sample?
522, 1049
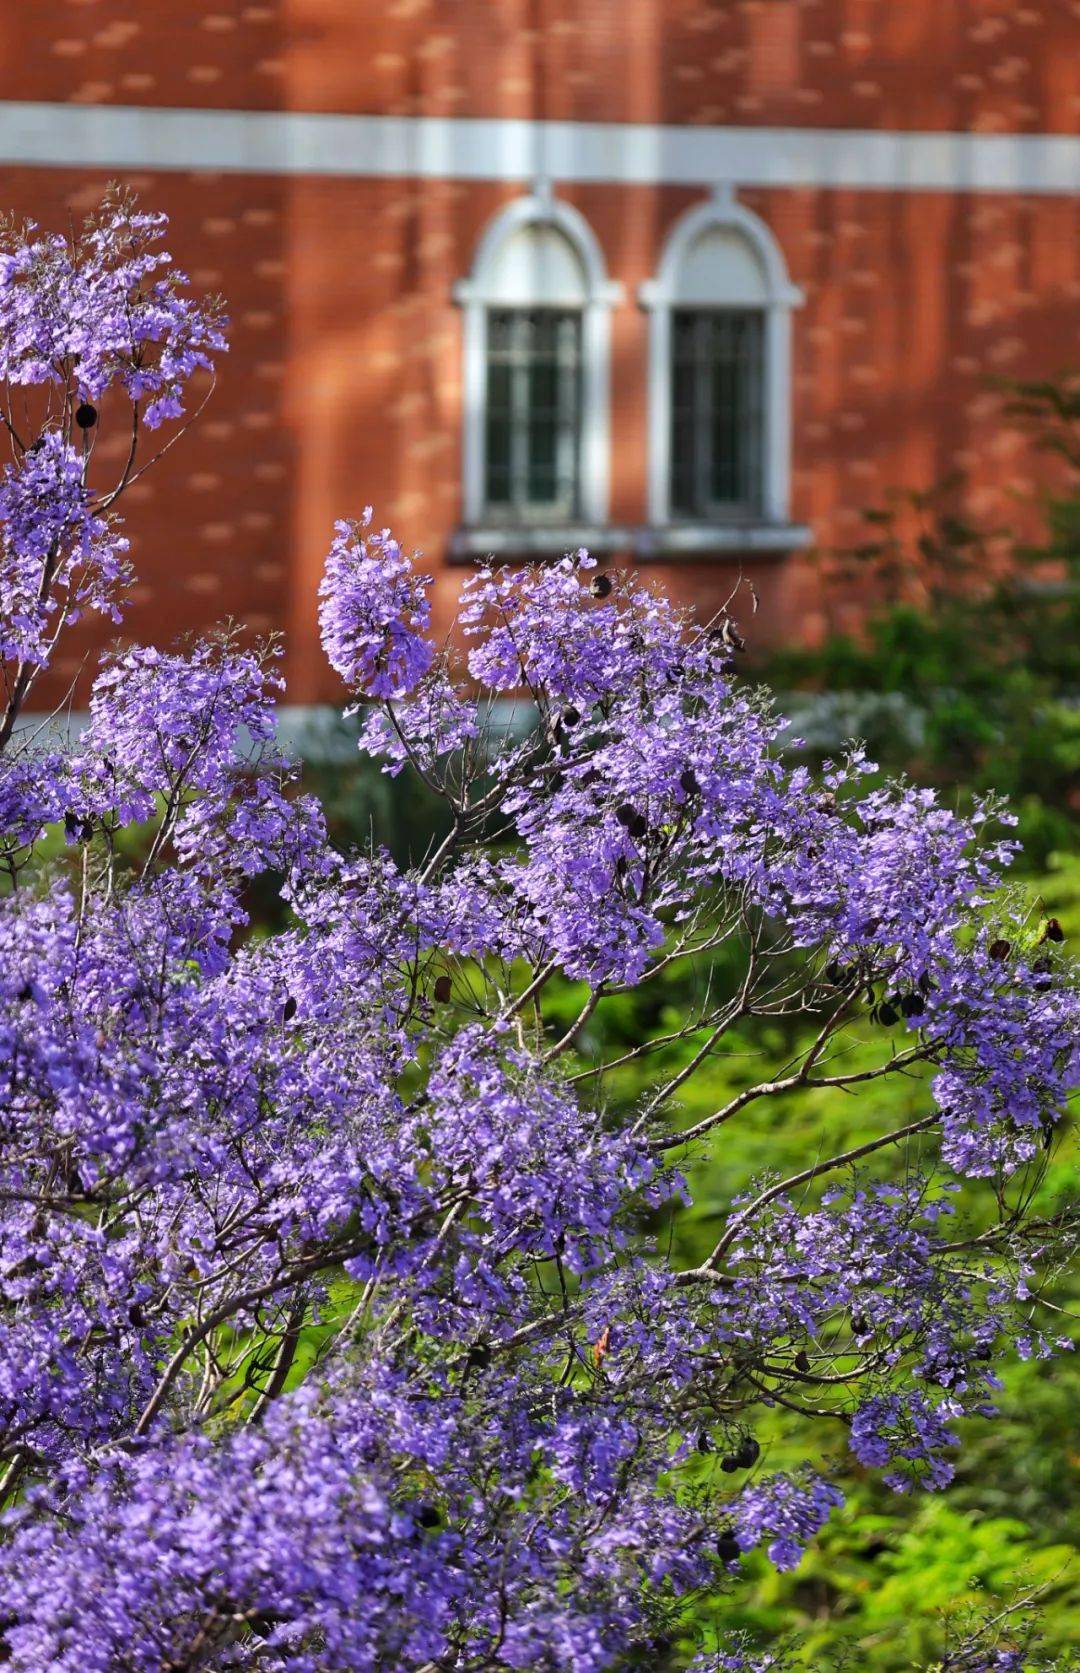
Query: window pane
717, 414
533, 422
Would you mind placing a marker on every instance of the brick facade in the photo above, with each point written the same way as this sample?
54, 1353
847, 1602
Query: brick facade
343, 383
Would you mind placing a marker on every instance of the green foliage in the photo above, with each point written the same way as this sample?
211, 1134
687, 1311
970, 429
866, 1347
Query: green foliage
991, 671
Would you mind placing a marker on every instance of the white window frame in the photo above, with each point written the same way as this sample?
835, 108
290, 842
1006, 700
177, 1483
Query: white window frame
476, 295
660, 296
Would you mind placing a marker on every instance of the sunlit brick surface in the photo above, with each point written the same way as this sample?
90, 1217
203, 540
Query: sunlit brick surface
343, 381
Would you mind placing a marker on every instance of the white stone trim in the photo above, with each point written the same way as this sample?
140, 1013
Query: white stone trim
659, 295
676, 540
146, 137
475, 296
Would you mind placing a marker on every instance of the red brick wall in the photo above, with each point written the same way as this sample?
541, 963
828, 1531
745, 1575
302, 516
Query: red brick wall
343, 382
979, 65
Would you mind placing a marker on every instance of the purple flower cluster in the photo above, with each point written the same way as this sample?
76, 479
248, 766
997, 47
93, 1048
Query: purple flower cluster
784, 1512
104, 308
59, 558
374, 612
331, 1333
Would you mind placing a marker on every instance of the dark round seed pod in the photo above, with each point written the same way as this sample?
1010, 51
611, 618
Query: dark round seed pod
570, 716
703, 1442
86, 416
688, 782
1053, 931
728, 1548
288, 1010
479, 1355
428, 1517
729, 1464
886, 1015
626, 813
639, 826
999, 950
443, 988
749, 1452
859, 1325
802, 1360
600, 586
913, 1005
26, 992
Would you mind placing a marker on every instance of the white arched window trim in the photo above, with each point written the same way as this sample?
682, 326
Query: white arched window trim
476, 296
659, 296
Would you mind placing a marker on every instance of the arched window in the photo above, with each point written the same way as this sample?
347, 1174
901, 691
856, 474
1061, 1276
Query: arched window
535, 388
720, 374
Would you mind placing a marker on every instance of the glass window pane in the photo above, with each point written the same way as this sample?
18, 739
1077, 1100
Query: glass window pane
533, 416
717, 414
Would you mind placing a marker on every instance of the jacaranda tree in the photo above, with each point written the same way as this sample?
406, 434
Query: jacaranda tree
332, 1331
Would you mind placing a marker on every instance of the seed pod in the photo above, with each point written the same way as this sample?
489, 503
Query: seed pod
859, 1326
749, 1452
443, 988
836, 973
86, 416
688, 782
703, 1442
479, 1355
626, 813
999, 950
886, 1015
639, 827
1052, 931
913, 1005
570, 716
427, 1516
728, 1548
288, 1010
600, 586
802, 1360
729, 1464
26, 992
71, 824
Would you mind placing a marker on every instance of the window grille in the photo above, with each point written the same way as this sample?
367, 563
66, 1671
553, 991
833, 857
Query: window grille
717, 412
532, 427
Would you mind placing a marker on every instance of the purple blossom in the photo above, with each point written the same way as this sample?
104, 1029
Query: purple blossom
374, 612
332, 1335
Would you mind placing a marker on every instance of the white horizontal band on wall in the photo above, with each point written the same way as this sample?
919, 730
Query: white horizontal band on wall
465, 148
